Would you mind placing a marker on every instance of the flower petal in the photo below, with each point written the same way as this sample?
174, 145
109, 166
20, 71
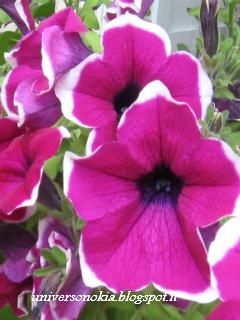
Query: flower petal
136, 48
20, 13
229, 310
36, 110
152, 115
61, 52
99, 136
103, 183
187, 81
87, 92
27, 52
21, 166
66, 19
86, 100
8, 131
224, 260
10, 84
146, 240
212, 183
15, 243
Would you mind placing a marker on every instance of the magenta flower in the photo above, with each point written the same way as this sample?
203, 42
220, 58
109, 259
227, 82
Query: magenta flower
119, 7
224, 260
229, 310
20, 13
40, 58
10, 291
145, 196
15, 272
53, 234
135, 52
21, 166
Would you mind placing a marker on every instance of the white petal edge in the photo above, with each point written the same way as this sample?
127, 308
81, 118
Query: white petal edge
46, 62
133, 20
135, 5
34, 195
89, 277
68, 163
11, 115
90, 280
153, 90
205, 84
206, 296
90, 141
64, 89
227, 237
234, 159
20, 10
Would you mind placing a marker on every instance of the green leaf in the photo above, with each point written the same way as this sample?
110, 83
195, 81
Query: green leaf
48, 255
55, 256
210, 113
52, 166
224, 117
89, 18
4, 18
223, 92
7, 39
6, 313
44, 10
194, 12
59, 256
160, 311
43, 272
91, 311
182, 47
123, 306
234, 139
92, 3
92, 41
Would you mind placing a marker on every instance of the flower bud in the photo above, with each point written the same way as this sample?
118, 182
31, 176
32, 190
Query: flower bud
208, 17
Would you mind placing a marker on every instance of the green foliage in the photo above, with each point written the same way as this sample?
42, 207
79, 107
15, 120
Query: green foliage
4, 18
44, 272
7, 313
7, 39
42, 8
92, 41
194, 12
224, 67
217, 125
182, 47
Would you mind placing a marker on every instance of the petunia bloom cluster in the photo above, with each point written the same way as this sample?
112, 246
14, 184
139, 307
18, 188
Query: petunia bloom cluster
39, 59
151, 189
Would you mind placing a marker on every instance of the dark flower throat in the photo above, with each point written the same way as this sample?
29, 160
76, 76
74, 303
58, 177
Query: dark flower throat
160, 185
126, 97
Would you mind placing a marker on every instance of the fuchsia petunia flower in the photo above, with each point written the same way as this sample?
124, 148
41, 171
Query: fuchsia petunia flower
15, 273
145, 196
40, 58
20, 13
52, 234
119, 7
8, 132
224, 260
21, 166
229, 310
135, 52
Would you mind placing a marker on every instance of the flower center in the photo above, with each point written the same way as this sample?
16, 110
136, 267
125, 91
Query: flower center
126, 97
160, 185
